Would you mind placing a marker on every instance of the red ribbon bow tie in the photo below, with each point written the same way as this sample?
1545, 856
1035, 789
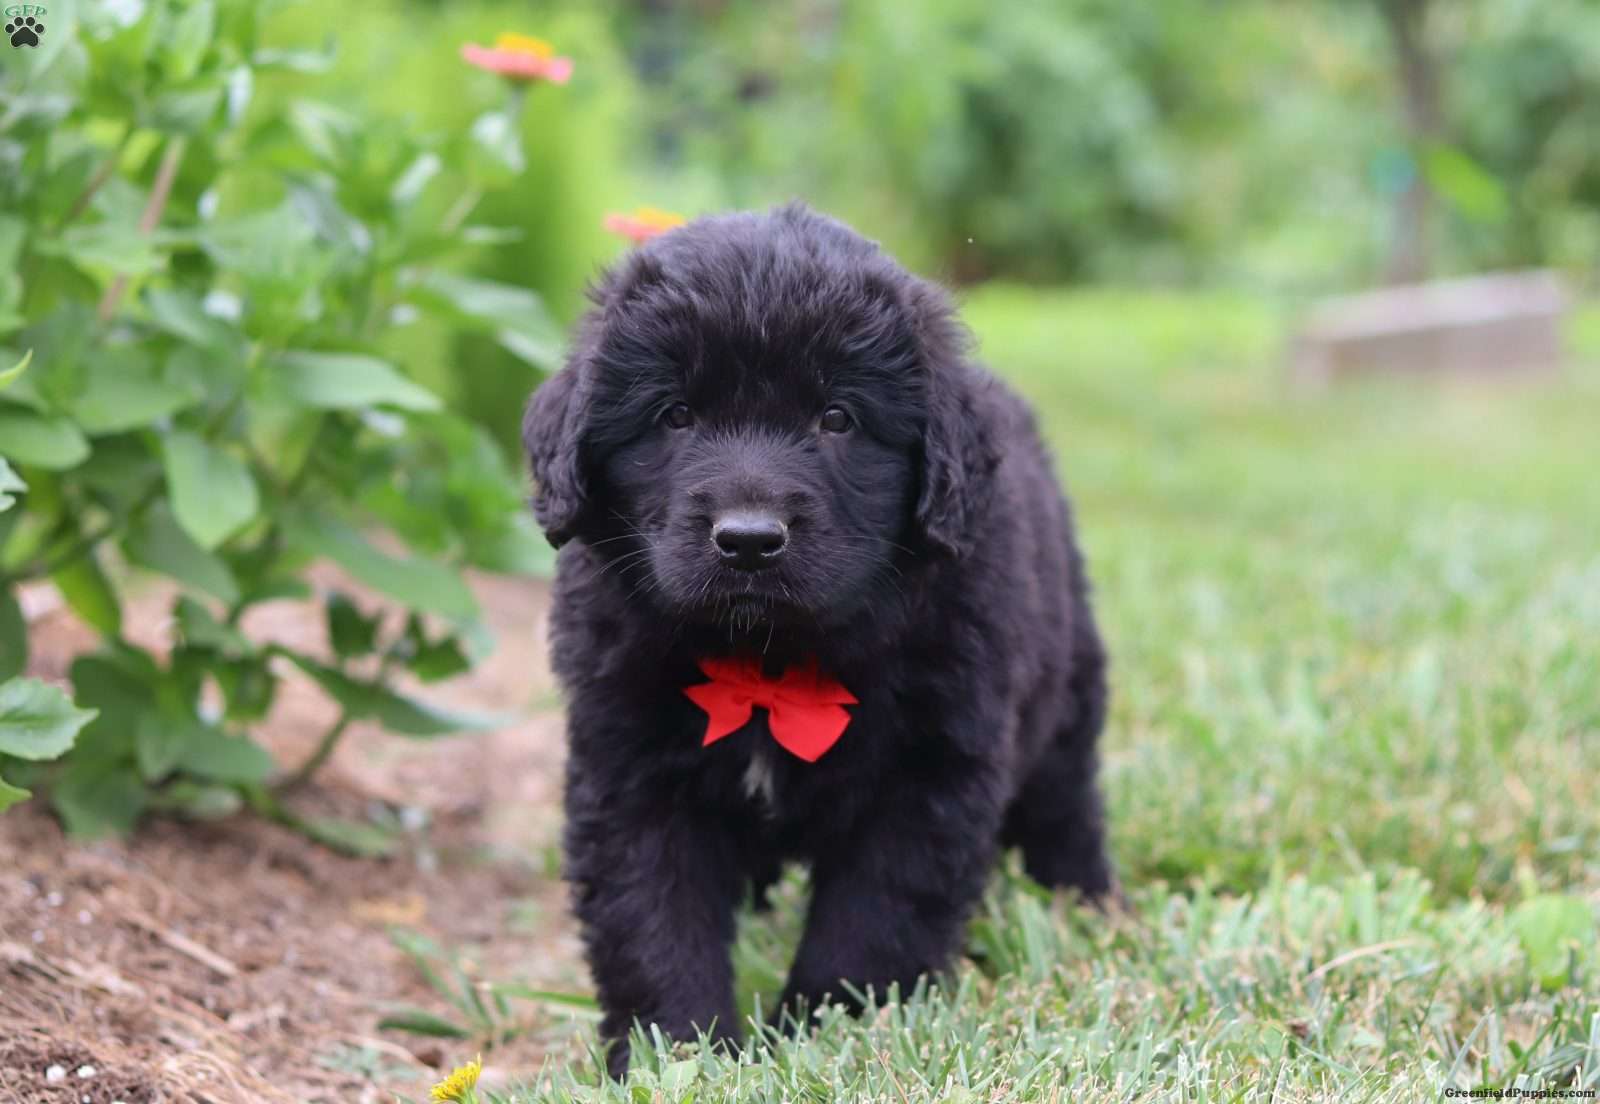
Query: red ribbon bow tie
805, 711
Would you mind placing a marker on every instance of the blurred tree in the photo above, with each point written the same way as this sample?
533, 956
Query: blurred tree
1417, 73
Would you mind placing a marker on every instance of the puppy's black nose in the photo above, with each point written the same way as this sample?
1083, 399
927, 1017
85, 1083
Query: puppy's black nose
750, 540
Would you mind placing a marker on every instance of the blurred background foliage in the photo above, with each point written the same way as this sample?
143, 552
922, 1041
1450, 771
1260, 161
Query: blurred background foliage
1260, 145
1257, 142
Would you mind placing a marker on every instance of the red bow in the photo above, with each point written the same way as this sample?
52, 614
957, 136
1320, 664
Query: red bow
805, 711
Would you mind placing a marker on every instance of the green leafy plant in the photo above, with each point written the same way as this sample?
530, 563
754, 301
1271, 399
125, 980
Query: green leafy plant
204, 318
483, 1011
37, 721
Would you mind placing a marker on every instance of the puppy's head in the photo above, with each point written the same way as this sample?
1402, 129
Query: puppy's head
764, 420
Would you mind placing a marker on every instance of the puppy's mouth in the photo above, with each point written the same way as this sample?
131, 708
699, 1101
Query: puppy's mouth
750, 605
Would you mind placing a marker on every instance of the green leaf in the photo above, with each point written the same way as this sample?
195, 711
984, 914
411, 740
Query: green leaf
278, 589
184, 110
11, 795
418, 1022
13, 235
123, 389
13, 636
345, 381
10, 485
37, 720
501, 304
121, 472
213, 493
46, 442
518, 549
183, 316
1553, 928
12, 374
298, 61
546, 996
367, 841
432, 661
678, 1076
352, 632
516, 316
372, 701
498, 134
199, 801
159, 743
114, 247
88, 590
159, 543
420, 584
187, 39
318, 204
98, 799
324, 129
542, 353
249, 687
212, 754
119, 684
201, 629
1468, 186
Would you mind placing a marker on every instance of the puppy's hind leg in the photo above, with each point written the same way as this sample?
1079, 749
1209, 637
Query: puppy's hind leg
1059, 823
1058, 818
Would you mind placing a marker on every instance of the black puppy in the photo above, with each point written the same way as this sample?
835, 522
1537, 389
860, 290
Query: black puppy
821, 602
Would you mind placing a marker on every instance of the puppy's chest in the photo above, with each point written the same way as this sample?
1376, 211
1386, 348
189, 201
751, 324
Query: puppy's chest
782, 793
759, 783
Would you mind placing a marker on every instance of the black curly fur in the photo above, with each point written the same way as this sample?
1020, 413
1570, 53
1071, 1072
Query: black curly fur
932, 569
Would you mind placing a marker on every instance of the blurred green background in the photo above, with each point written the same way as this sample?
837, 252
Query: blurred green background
1276, 149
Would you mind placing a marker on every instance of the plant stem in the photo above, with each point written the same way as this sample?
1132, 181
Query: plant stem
459, 211
160, 192
325, 747
96, 182
329, 742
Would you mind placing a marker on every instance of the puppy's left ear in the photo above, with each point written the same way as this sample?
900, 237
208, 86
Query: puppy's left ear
552, 432
959, 454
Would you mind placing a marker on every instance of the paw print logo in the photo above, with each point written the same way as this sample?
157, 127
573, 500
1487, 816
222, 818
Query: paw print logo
24, 31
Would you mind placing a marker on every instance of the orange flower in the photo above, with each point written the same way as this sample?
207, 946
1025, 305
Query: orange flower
643, 223
520, 58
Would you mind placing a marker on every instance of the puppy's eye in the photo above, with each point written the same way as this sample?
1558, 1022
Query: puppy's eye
836, 420
678, 416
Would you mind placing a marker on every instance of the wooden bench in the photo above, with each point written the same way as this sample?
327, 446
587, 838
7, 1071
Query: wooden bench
1501, 324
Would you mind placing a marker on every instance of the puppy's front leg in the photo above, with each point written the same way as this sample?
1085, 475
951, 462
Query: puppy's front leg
655, 889
892, 902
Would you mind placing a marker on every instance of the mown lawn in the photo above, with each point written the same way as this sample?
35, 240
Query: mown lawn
1352, 768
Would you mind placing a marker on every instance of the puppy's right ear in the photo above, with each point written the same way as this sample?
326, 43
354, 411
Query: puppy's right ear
558, 416
552, 432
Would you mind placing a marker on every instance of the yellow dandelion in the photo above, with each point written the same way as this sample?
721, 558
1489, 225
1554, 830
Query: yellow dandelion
459, 1085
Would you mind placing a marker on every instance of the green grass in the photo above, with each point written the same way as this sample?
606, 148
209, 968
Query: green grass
1352, 765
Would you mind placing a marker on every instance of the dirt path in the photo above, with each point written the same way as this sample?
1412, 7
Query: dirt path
235, 962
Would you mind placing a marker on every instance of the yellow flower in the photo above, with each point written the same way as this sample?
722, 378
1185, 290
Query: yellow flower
644, 223
459, 1085
523, 44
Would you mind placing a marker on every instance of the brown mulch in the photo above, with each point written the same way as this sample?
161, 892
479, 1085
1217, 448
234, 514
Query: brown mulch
236, 962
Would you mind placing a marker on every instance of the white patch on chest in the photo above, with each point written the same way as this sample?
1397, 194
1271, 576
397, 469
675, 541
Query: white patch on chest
758, 785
